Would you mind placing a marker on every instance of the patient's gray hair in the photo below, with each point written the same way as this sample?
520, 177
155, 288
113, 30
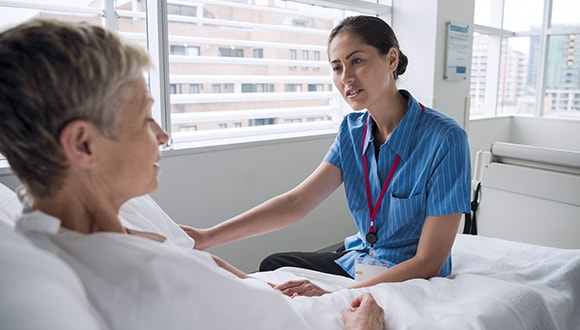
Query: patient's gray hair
53, 72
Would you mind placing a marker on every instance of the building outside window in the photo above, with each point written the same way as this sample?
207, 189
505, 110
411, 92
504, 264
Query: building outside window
526, 64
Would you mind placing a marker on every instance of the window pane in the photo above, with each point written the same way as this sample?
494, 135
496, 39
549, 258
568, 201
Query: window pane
486, 13
566, 13
523, 15
260, 64
518, 76
484, 74
562, 95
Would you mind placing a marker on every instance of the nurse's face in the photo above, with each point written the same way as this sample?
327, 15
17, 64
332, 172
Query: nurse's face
361, 74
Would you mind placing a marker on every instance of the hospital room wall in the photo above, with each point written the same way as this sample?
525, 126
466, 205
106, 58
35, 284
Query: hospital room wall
542, 132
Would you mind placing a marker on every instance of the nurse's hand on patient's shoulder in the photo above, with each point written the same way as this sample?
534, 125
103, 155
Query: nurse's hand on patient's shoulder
364, 314
198, 236
300, 288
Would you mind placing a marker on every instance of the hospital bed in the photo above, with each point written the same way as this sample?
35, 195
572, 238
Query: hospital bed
521, 270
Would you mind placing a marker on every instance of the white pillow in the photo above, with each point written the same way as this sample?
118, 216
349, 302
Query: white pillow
10, 206
40, 291
143, 213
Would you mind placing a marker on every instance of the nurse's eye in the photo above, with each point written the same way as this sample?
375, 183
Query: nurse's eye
357, 61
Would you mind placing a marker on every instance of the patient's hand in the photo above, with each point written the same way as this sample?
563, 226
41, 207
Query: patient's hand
364, 314
300, 288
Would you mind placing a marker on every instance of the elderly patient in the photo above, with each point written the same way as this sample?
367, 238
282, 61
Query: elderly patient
77, 131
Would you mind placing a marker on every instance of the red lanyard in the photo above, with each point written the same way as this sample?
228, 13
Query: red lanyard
371, 236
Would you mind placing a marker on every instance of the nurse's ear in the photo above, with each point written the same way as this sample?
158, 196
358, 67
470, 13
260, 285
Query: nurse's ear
77, 140
393, 58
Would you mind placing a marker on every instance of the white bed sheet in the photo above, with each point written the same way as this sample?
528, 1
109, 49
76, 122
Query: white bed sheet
496, 284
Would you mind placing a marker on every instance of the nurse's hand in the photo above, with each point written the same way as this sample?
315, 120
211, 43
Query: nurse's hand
199, 236
300, 288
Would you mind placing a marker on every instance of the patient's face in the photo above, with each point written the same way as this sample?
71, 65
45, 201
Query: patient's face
129, 165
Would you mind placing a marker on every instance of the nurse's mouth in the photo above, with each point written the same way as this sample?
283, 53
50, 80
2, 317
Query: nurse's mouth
353, 93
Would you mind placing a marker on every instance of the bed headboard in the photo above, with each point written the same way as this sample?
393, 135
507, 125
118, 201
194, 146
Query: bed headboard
529, 194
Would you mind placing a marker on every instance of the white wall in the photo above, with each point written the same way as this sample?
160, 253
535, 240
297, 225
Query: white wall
207, 187
541, 132
546, 132
421, 29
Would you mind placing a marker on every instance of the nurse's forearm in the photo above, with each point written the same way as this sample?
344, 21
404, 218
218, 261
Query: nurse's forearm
415, 267
274, 214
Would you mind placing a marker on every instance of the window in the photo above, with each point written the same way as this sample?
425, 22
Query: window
231, 52
258, 53
315, 87
225, 69
293, 87
526, 64
194, 88
183, 50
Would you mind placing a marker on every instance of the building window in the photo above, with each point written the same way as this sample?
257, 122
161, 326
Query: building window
231, 52
258, 53
315, 87
293, 87
292, 120
194, 88
183, 50
261, 121
257, 88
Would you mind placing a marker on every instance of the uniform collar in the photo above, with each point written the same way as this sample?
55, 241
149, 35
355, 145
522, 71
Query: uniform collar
400, 140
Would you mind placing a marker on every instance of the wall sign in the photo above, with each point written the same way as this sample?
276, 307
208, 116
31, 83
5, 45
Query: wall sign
457, 56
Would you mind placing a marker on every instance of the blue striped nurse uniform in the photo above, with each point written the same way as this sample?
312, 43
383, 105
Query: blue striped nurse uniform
433, 178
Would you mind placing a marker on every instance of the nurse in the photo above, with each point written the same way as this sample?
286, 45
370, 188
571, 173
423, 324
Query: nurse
405, 169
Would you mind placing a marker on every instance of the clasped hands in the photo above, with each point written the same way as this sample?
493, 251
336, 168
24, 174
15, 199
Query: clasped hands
296, 288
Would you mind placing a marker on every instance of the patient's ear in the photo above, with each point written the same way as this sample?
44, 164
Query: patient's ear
77, 140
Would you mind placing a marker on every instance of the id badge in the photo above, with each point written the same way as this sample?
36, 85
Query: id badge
367, 267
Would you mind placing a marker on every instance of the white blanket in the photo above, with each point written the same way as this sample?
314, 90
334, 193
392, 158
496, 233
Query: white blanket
496, 284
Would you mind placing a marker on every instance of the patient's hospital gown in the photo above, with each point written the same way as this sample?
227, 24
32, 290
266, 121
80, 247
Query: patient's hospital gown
137, 283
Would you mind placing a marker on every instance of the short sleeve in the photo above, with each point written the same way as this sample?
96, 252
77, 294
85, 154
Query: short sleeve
449, 186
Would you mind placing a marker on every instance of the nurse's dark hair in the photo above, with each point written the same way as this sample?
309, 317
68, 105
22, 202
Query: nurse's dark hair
375, 32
